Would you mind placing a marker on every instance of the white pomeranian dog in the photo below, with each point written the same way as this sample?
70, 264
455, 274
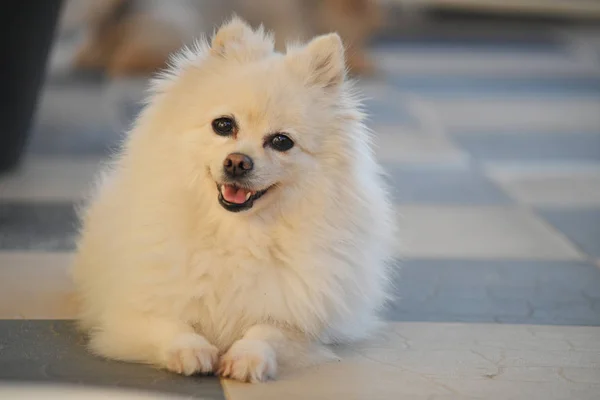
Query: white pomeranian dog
245, 223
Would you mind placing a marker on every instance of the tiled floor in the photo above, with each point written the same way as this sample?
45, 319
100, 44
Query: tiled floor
494, 153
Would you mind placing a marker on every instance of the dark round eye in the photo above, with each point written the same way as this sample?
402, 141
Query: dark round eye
224, 126
280, 142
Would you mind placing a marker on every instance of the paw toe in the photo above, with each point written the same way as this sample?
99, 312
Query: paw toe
191, 354
249, 361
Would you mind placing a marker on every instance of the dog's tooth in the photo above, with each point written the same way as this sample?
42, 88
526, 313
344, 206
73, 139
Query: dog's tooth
248, 194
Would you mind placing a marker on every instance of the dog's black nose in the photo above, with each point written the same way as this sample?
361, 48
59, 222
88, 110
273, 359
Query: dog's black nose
237, 165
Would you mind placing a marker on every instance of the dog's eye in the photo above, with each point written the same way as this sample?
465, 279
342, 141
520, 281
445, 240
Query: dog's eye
224, 126
280, 142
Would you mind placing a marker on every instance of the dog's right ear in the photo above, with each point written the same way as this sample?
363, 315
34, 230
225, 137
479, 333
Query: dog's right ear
236, 40
320, 62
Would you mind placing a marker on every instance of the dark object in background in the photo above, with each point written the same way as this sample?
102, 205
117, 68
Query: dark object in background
28, 32
134, 38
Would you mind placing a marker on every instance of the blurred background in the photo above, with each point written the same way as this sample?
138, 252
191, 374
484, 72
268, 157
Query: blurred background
419, 61
486, 115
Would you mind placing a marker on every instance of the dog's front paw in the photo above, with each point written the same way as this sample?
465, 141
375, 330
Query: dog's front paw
249, 361
190, 354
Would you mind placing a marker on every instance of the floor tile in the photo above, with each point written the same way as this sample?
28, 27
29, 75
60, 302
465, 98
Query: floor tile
530, 147
388, 111
442, 186
449, 361
490, 39
479, 232
490, 86
402, 145
493, 40
551, 188
582, 226
36, 286
517, 114
523, 292
9, 390
75, 120
50, 179
477, 63
37, 226
97, 141
384, 105
52, 351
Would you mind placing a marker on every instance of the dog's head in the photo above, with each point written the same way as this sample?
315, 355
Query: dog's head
256, 125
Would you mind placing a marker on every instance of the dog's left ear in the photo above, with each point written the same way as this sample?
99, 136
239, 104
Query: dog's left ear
238, 41
320, 62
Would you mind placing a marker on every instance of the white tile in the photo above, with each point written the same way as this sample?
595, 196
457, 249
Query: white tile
449, 361
35, 286
62, 391
377, 89
403, 145
479, 232
482, 63
49, 179
551, 188
517, 114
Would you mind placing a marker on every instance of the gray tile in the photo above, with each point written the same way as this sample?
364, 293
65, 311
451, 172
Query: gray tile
52, 351
76, 119
523, 146
50, 179
526, 42
465, 63
582, 226
478, 86
517, 114
62, 139
37, 226
531, 292
443, 186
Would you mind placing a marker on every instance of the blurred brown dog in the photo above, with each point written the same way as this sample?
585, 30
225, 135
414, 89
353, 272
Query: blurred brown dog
135, 37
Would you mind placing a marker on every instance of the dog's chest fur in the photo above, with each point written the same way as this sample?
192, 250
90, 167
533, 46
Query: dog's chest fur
234, 279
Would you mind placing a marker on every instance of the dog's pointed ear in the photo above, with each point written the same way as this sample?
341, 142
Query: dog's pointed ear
237, 40
321, 61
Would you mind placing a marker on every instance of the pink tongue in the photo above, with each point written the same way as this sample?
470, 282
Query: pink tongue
233, 194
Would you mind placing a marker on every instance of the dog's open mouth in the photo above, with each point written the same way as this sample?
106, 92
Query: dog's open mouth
235, 198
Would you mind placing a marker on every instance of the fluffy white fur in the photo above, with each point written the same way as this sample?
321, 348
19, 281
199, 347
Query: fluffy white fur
167, 276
